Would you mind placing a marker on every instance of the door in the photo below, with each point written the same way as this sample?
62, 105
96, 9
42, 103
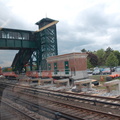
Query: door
55, 68
49, 66
66, 67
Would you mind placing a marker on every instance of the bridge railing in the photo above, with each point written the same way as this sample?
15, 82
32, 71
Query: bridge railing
6, 33
16, 39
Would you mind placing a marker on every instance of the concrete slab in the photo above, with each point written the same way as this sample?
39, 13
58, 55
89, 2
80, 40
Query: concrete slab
42, 81
80, 83
58, 82
109, 84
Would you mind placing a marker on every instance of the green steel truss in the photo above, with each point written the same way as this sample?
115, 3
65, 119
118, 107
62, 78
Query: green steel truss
34, 46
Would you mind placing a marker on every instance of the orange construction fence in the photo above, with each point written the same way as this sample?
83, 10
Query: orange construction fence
12, 74
114, 75
36, 74
32, 74
47, 74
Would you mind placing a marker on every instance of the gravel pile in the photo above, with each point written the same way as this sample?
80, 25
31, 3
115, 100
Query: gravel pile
98, 92
110, 94
113, 93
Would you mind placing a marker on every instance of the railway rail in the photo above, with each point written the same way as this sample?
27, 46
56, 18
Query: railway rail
41, 109
95, 100
9, 112
61, 98
73, 96
61, 109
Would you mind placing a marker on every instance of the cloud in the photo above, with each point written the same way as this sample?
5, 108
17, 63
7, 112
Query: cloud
10, 20
1, 62
85, 24
93, 30
6, 57
88, 24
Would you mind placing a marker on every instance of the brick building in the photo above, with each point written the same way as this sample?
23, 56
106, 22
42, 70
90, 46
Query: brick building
67, 65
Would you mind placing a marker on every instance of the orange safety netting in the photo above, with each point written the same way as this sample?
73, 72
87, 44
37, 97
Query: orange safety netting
36, 74
10, 74
47, 74
32, 74
114, 75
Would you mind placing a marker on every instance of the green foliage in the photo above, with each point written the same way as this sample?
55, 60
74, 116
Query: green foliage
103, 57
117, 54
112, 60
100, 54
7, 69
83, 50
89, 65
107, 52
92, 59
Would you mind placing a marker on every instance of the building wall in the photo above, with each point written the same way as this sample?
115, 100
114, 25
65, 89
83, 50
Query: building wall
75, 63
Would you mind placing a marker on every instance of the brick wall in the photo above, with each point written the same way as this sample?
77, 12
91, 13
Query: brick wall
75, 63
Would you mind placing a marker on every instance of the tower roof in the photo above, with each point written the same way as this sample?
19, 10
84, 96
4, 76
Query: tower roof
44, 20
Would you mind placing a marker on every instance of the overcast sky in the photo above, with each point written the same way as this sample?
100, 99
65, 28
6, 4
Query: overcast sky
89, 24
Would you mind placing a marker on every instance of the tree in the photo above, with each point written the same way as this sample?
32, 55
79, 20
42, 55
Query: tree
112, 60
108, 51
89, 65
117, 54
92, 59
83, 50
100, 54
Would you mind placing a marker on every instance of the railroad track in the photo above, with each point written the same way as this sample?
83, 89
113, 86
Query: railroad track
95, 100
67, 94
62, 109
9, 112
59, 93
72, 99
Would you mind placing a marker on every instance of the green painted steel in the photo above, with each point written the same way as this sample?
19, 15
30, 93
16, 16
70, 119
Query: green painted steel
66, 64
16, 44
46, 42
21, 59
55, 68
49, 66
34, 47
16, 39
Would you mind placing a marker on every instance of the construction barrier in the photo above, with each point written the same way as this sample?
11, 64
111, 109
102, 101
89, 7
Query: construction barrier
114, 75
32, 74
47, 74
10, 74
36, 74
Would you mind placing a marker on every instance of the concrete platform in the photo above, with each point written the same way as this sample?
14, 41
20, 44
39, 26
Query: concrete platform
112, 83
61, 81
42, 81
25, 80
79, 84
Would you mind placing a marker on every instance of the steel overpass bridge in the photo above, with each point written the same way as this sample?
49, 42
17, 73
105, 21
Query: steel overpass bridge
34, 46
